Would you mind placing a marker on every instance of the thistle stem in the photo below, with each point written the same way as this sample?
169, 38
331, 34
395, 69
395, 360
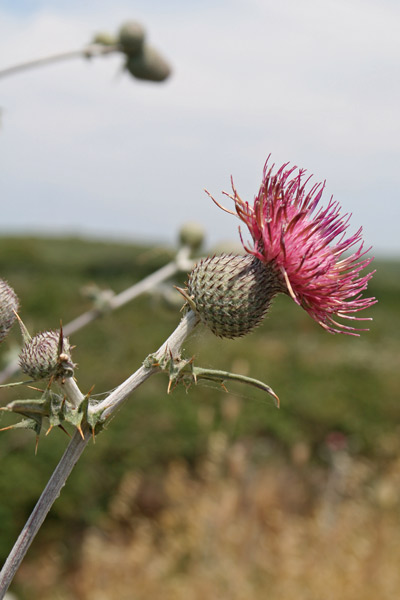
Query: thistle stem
181, 262
45, 502
77, 445
171, 347
90, 51
70, 388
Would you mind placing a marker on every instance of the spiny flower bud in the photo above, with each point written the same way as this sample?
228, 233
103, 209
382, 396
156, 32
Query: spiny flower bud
131, 37
231, 294
8, 307
191, 234
45, 355
148, 65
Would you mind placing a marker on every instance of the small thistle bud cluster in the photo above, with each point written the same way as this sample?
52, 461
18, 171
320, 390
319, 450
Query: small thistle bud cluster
8, 308
45, 355
231, 294
142, 61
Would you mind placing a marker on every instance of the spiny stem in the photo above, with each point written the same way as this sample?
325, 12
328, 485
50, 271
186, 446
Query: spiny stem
181, 262
39, 513
70, 388
171, 347
77, 445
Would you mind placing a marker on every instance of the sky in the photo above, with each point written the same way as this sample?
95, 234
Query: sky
87, 150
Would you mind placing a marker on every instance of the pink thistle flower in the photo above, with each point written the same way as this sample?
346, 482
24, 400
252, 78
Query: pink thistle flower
304, 244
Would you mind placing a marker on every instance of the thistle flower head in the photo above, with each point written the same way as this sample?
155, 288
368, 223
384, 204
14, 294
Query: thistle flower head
46, 355
8, 308
232, 294
304, 244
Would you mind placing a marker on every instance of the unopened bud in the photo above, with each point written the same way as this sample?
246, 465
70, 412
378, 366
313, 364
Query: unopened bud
231, 294
105, 39
45, 356
8, 307
148, 65
192, 235
131, 37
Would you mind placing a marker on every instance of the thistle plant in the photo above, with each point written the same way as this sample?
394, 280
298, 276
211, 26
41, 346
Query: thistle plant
296, 248
293, 251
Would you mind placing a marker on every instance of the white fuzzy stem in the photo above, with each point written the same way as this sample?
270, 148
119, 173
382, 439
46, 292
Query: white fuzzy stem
70, 388
180, 263
39, 513
171, 347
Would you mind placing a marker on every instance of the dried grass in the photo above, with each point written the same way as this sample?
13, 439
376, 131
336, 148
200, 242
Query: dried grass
237, 529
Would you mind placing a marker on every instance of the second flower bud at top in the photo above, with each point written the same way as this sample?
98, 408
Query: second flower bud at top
191, 234
142, 61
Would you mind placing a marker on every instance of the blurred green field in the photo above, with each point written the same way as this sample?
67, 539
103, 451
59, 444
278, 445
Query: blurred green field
325, 383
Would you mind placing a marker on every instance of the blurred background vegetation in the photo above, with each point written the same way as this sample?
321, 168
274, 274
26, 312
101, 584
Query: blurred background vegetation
208, 493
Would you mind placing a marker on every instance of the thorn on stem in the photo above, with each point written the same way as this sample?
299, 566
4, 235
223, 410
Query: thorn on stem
64, 430
31, 387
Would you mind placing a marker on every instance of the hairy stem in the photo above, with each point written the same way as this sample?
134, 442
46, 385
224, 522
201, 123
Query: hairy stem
89, 51
70, 388
78, 443
171, 347
39, 513
180, 263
